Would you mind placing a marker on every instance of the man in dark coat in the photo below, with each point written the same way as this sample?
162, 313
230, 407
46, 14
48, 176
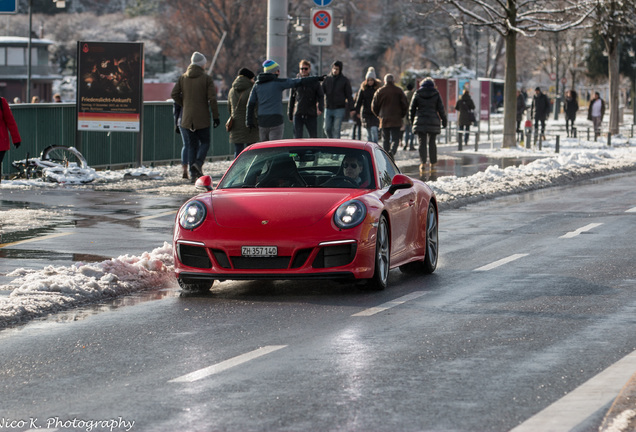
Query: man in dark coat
428, 116
306, 103
363, 104
539, 111
390, 106
464, 106
570, 106
195, 92
338, 100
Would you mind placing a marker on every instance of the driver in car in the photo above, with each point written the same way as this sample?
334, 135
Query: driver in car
352, 168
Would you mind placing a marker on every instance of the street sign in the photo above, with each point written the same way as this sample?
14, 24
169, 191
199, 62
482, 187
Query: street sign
564, 80
322, 2
8, 6
321, 27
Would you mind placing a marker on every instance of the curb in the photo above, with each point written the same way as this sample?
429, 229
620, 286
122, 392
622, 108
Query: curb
621, 416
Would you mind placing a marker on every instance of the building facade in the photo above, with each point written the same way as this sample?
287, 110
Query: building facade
14, 69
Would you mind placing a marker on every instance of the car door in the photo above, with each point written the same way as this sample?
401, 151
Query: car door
400, 206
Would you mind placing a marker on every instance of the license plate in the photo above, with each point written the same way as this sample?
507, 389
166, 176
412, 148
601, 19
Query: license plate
259, 251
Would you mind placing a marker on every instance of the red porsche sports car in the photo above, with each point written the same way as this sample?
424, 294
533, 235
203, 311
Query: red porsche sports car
306, 209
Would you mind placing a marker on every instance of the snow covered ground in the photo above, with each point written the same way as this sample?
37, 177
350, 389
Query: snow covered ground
36, 292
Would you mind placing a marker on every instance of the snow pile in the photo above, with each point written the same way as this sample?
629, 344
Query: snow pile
69, 175
37, 292
495, 181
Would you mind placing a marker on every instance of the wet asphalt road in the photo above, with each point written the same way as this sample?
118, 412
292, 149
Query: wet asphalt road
533, 297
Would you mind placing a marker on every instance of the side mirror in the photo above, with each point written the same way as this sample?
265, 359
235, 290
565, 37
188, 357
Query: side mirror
400, 181
204, 184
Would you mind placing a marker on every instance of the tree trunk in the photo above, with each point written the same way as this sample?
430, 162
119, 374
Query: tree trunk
510, 92
614, 79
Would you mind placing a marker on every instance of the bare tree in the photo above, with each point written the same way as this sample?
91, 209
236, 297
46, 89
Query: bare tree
511, 18
612, 20
198, 25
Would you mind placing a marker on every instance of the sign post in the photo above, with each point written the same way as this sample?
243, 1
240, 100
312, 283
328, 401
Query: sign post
321, 27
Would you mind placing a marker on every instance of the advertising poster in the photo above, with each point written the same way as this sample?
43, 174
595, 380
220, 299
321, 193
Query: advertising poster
442, 88
452, 100
485, 100
109, 86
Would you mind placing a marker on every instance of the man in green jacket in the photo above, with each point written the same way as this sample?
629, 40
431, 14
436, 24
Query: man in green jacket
196, 93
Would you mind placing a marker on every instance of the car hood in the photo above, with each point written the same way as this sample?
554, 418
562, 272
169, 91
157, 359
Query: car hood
288, 209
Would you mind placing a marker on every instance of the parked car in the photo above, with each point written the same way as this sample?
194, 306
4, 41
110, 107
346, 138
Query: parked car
307, 209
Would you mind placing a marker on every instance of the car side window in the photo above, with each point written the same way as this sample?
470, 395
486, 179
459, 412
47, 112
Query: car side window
386, 168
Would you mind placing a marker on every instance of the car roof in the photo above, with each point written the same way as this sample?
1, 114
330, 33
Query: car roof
313, 142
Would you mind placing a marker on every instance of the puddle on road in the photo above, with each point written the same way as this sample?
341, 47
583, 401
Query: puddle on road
50, 255
464, 166
80, 313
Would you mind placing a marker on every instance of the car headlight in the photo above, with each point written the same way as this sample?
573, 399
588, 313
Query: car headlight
350, 214
192, 215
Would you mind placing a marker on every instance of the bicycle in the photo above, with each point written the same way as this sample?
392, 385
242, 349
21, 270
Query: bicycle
56, 162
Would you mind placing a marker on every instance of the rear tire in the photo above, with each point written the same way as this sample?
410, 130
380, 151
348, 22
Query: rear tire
382, 266
194, 286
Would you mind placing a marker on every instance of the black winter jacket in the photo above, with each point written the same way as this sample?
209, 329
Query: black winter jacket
363, 103
303, 100
427, 111
337, 90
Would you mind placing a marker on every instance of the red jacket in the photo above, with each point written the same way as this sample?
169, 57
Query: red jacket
7, 125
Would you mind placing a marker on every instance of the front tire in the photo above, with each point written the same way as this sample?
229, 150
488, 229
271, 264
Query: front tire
429, 263
194, 286
380, 277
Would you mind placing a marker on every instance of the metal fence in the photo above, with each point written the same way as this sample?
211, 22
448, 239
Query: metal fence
42, 125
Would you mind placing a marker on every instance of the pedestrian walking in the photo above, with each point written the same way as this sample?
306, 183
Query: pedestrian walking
390, 106
306, 103
196, 94
266, 101
595, 113
466, 107
178, 114
363, 110
408, 127
521, 108
428, 117
570, 106
8, 131
539, 111
240, 135
338, 100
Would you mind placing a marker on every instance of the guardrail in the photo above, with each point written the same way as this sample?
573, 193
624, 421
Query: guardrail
45, 124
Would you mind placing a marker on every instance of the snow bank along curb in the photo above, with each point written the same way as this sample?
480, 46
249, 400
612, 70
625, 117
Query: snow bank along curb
39, 292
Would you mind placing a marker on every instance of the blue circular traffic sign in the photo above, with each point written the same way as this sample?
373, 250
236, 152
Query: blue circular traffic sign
322, 2
322, 19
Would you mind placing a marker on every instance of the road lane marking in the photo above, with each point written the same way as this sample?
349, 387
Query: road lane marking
581, 230
388, 305
227, 364
36, 239
579, 404
158, 215
631, 210
501, 262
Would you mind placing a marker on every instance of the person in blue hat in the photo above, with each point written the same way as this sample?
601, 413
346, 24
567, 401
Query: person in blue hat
266, 101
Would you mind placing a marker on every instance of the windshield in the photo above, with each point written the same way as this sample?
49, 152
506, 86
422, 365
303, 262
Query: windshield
290, 167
